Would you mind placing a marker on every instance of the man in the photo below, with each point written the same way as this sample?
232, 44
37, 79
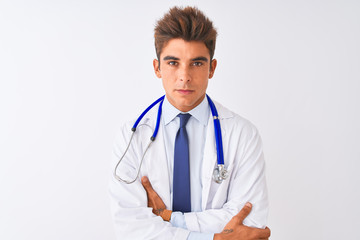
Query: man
174, 196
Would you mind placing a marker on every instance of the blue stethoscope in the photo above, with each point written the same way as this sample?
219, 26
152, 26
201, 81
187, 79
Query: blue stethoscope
219, 174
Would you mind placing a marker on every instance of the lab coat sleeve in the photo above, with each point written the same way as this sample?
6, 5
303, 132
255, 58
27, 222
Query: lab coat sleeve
132, 218
247, 184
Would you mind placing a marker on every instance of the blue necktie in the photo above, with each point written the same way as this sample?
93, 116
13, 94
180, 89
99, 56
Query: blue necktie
181, 177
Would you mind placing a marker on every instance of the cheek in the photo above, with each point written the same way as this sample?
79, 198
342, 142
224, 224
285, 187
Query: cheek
202, 74
202, 78
167, 84
205, 84
167, 74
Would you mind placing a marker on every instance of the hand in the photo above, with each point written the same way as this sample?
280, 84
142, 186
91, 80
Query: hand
236, 230
154, 201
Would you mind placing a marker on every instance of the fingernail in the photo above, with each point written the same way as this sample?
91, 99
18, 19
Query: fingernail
248, 204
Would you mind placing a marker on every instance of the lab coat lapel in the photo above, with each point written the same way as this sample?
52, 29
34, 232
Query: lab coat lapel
209, 162
210, 154
158, 166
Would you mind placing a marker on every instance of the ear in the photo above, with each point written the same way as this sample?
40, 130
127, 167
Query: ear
212, 68
156, 68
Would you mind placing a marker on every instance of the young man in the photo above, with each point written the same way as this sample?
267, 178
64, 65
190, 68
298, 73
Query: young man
174, 196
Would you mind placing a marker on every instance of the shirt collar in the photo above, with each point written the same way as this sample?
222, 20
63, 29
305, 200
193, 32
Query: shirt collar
200, 112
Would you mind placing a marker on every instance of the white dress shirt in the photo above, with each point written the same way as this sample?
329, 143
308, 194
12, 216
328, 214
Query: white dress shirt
196, 130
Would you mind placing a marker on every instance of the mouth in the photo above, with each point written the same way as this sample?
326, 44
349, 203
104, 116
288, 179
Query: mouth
184, 91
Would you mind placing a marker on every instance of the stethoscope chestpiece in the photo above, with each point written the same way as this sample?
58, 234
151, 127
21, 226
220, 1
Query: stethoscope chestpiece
220, 173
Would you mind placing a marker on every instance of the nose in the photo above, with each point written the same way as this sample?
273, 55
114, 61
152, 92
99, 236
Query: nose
184, 74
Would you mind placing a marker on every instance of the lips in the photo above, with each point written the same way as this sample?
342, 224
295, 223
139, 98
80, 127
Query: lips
185, 91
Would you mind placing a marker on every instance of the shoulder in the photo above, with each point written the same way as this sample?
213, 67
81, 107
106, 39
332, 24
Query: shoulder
233, 122
149, 119
144, 127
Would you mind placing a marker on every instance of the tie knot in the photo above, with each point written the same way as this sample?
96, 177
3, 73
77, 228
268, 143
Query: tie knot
184, 119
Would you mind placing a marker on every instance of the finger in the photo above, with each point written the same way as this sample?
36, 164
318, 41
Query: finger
264, 233
244, 212
146, 184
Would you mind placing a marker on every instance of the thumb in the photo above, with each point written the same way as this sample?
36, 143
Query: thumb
244, 212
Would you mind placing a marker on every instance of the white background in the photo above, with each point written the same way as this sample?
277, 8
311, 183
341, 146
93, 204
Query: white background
72, 71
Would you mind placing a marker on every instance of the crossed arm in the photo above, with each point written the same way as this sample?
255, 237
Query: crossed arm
234, 229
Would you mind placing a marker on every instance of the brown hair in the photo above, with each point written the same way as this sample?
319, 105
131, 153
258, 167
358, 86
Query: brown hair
187, 23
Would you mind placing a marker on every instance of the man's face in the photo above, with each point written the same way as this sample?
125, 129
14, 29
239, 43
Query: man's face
185, 69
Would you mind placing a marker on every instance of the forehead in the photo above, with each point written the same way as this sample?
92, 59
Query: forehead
185, 49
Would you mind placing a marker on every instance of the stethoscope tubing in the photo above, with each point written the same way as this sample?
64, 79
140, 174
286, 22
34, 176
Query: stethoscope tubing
218, 139
218, 135
145, 112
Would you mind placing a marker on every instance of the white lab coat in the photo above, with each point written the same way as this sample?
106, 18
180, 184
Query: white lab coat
243, 158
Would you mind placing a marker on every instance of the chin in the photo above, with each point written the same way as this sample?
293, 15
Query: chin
186, 105
184, 101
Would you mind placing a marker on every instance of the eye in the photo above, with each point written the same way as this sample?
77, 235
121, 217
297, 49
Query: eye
197, 64
172, 63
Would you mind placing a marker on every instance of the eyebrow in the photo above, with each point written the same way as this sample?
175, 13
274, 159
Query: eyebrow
200, 59
171, 58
